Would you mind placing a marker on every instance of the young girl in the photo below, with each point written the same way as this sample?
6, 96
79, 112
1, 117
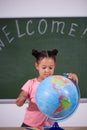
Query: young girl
45, 65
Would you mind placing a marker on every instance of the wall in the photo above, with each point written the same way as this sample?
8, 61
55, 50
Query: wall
10, 114
29, 8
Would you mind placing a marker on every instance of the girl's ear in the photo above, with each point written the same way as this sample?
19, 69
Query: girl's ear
36, 66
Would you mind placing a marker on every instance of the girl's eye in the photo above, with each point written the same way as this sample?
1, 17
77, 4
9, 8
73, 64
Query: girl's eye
46, 67
50, 68
43, 67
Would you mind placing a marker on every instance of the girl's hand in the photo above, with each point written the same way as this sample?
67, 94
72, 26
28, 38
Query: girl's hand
73, 77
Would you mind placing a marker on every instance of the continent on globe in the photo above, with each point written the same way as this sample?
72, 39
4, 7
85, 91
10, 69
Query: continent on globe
58, 81
64, 104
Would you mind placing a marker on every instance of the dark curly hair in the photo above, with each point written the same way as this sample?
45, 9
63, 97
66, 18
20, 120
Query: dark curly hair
44, 53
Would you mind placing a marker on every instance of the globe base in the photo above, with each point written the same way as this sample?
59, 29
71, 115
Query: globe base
55, 127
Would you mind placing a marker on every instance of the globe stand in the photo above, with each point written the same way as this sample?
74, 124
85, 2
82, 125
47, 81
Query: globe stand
55, 127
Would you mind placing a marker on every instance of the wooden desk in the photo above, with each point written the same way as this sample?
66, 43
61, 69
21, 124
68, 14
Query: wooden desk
65, 128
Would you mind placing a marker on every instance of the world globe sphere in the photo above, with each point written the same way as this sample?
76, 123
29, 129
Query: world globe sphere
57, 97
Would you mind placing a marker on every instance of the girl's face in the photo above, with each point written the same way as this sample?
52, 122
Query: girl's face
45, 68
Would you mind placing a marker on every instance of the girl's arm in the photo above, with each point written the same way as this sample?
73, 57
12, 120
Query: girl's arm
21, 98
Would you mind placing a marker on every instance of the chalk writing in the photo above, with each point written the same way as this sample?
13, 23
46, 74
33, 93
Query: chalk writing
72, 29
20, 34
41, 27
29, 23
42, 21
58, 24
7, 34
1, 44
84, 32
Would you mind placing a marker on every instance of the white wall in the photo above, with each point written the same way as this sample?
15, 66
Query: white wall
10, 114
27, 8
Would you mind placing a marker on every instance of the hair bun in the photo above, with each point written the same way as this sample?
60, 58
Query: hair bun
35, 53
54, 52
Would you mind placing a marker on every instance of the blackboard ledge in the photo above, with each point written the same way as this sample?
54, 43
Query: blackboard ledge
12, 101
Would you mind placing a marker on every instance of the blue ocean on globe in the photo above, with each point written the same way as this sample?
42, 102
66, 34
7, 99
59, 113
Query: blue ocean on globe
57, 97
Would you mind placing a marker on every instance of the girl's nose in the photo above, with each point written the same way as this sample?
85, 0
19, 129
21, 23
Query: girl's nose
47, 69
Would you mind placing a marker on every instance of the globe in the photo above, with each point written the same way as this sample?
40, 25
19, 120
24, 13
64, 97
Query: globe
57, 97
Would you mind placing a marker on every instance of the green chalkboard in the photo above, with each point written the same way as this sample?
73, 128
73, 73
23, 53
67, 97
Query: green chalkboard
18, 36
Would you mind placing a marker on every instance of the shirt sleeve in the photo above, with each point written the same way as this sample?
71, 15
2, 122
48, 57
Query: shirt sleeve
27, 86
